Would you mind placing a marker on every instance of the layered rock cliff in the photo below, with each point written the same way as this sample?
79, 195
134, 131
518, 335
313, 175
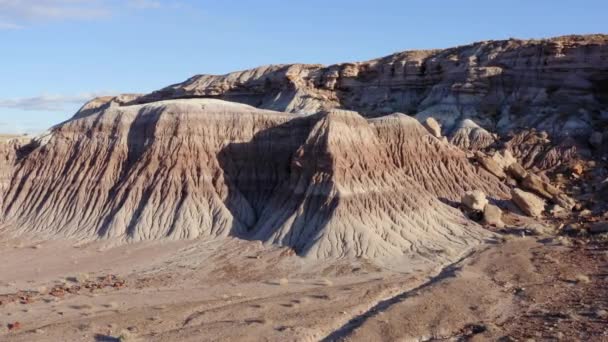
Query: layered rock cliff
558, 85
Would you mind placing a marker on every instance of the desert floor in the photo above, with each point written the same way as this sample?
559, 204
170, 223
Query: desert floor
514, 287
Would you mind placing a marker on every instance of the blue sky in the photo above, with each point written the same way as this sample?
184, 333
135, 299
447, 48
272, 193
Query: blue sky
58, 53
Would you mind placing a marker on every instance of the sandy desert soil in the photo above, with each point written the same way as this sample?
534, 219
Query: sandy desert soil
515, 288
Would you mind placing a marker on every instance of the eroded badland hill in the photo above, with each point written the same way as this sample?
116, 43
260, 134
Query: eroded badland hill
427, 195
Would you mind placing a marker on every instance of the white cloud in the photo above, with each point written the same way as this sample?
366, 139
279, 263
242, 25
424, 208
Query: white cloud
16, 14
49, 102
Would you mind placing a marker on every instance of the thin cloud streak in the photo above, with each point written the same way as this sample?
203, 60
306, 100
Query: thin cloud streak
49, 102
9, 26
16, 14
145, 4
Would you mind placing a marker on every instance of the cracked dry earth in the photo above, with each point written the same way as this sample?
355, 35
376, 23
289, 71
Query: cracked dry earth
511, 289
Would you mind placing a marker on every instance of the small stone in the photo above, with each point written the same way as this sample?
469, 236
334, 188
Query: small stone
582, 279
601, 314
578, 169
475, 200
14, 326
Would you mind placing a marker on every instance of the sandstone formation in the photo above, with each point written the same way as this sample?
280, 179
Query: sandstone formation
556, 85
535, 149
529, 203
517, 171
433, 127
535, 184
328, 185
470, 136
491, 165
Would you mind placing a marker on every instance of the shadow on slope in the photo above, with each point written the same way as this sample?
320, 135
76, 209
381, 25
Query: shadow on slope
270, 190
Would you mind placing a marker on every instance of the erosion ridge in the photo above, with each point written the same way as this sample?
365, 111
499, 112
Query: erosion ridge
331, 184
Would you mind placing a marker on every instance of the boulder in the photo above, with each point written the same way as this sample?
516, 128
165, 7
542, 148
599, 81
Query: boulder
490, 165
564, 201
492, 215
535, 184
529, 203
517, 171
433, 127
504, 158
475, 200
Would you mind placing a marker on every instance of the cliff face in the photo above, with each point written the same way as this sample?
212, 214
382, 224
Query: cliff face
559, 85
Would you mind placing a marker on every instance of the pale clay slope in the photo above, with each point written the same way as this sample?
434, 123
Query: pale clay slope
328, 185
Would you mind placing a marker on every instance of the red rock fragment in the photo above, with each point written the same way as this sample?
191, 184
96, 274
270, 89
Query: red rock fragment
14, 326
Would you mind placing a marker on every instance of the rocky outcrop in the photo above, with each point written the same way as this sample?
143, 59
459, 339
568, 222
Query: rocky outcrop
535, 184
534, 149
433, 127
529, 203
556, 85
470, 136
490, 164
328, 185
517, 171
